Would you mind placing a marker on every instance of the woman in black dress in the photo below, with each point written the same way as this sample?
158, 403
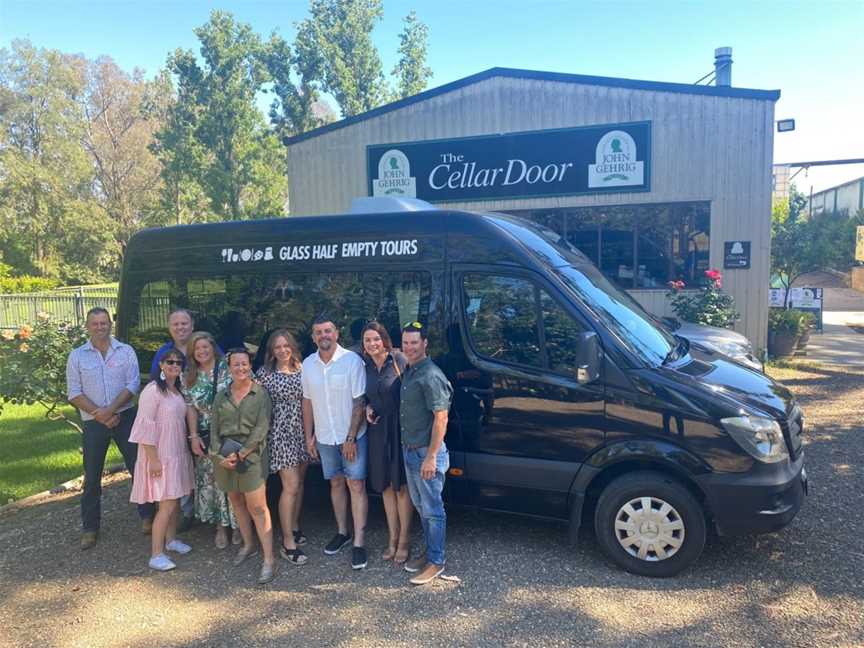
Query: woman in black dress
386, 471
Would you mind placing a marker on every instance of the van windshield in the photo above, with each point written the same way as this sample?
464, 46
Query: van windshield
628, 321
636, 330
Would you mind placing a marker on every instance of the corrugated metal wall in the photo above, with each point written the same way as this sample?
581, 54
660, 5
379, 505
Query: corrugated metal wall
717, 149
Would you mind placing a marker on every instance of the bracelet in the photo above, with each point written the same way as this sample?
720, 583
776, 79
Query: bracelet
194, 436
351, 440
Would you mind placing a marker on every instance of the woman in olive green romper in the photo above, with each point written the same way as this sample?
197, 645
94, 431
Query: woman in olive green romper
242, 413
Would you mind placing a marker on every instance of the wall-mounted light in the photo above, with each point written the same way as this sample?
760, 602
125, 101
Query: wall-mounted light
785, 125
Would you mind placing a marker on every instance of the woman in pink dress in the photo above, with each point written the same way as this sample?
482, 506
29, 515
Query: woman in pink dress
163, 472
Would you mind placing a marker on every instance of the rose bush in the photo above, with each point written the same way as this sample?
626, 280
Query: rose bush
710, 306
33, 365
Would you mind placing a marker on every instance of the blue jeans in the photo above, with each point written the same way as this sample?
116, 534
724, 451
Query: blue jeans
94, 442
426, 496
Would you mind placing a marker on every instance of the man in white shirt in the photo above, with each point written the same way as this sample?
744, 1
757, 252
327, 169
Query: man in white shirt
334, 421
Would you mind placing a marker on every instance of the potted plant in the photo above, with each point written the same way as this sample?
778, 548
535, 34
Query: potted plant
784, 329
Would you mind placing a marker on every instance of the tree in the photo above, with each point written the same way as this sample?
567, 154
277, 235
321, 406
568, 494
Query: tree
182, 199
293, 110
802, 243
118, 132
214, 135
335, 45
49, 223
411, 71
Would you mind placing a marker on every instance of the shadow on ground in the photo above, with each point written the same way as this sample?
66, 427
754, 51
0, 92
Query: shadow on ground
521, 582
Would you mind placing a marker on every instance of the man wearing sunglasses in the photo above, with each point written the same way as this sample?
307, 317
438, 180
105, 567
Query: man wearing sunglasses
425, 400
101, 381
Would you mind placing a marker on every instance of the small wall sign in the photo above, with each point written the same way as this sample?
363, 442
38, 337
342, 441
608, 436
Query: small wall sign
736, 254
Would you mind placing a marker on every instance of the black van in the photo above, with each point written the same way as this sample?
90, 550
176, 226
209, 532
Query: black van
570, 402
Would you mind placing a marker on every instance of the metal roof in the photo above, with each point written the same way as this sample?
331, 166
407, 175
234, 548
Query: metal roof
536, 75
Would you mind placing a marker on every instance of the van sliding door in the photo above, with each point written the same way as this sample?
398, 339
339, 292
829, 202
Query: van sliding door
527, 424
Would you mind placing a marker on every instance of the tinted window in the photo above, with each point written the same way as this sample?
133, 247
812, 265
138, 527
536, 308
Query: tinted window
242, 309
627, 320
501, 315
561, 334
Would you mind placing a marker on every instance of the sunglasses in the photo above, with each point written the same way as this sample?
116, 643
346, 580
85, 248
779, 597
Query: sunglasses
414, 325
176, 363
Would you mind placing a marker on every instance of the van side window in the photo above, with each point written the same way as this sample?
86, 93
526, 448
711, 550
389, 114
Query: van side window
503, 317
560, 332
501, 314
241, 309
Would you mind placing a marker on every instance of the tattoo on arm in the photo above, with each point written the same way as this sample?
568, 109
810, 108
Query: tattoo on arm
358, 414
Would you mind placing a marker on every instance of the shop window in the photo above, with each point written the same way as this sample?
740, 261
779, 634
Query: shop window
639, 246
240, 310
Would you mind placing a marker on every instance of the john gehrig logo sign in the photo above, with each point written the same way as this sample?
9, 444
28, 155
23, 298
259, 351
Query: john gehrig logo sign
593, 159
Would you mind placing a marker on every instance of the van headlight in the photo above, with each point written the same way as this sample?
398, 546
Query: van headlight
738, 352
760, 437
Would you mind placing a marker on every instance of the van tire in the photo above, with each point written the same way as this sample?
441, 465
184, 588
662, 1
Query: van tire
675, 519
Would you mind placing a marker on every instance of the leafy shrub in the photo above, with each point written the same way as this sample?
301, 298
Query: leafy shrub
26, 284
710, 306
787, 321
33, 362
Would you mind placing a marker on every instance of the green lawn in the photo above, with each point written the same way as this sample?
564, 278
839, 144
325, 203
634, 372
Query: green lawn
37, 454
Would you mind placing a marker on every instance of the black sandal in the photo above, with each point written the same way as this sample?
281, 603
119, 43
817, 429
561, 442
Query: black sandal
299, 538
294, 556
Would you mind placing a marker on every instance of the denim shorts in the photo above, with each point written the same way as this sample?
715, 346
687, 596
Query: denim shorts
333, 463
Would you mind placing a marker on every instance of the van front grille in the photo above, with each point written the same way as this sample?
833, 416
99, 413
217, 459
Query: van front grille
793, 432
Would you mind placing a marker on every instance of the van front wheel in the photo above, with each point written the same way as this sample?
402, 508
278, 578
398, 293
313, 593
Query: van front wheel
650, 524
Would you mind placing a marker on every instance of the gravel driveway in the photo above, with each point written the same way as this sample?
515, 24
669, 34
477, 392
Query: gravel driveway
520, 583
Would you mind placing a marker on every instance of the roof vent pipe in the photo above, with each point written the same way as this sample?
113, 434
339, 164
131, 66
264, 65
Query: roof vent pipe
723, 66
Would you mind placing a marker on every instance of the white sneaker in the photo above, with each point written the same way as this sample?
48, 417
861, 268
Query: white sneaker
178, 546
161, 563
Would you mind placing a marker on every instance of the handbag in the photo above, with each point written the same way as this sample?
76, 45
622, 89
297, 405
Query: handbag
229, 447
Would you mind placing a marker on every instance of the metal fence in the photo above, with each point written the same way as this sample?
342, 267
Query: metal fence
69, 305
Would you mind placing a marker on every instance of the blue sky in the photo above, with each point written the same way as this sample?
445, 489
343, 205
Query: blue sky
811, 51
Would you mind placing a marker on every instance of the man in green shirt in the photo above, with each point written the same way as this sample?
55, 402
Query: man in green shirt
424, 402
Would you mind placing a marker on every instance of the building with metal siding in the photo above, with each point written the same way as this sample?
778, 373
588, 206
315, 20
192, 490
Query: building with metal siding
708, 172
848, 197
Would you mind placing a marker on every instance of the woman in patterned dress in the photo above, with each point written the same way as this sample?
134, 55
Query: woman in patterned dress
206, 374
280, 375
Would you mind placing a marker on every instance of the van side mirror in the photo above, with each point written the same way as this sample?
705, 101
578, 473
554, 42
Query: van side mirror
589, 357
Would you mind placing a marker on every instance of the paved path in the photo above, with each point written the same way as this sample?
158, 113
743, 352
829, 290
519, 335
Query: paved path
838, 344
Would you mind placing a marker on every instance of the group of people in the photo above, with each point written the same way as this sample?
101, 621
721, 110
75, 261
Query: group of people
208, 431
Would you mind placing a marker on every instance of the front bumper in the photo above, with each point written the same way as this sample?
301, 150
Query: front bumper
762, 500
